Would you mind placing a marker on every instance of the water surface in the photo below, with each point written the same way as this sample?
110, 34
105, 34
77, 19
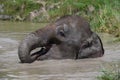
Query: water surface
11, 33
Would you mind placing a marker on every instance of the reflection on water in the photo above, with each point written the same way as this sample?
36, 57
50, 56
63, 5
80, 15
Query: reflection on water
84, 69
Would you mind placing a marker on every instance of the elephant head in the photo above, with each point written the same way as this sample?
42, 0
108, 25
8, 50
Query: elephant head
68, 32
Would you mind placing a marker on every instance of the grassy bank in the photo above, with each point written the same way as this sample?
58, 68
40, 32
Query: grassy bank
104, 15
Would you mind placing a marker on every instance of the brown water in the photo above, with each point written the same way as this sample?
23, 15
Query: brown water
84, 69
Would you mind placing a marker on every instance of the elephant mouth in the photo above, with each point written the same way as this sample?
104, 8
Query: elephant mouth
36, 53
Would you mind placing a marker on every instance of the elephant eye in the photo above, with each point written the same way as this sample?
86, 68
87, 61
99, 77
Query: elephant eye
85, 44
62, 33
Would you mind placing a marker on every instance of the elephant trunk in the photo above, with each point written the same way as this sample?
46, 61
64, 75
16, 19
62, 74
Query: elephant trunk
39, 38
25, 47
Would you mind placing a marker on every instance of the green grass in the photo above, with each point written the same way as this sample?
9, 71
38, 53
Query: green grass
108, 18
112, 73
19, 7
103, 15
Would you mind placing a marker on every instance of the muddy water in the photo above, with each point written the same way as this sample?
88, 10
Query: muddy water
85, 69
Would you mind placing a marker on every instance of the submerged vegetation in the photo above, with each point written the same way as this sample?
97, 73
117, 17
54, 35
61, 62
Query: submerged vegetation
103, 15
112, 73
108, 75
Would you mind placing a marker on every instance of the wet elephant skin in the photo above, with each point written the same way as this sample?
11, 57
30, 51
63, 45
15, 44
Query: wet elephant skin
69, 37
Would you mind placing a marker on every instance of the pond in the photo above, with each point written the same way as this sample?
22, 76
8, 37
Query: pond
11, 33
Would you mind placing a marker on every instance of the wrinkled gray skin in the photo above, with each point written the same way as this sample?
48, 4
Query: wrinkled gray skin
70, 37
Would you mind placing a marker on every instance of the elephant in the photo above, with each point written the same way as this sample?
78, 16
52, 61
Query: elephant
69, 37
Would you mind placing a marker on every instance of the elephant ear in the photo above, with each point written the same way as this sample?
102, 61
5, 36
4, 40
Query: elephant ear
62, 30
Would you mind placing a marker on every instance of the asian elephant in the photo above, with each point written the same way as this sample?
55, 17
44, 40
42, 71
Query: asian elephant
69, 37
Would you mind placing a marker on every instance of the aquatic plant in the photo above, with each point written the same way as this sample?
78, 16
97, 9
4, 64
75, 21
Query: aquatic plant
110, 74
